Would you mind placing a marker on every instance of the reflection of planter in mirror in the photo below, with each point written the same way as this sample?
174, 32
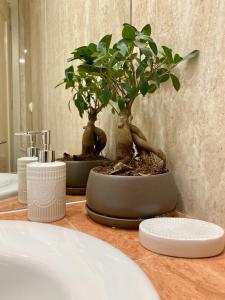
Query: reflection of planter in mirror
124, 201
88, 96
77, 175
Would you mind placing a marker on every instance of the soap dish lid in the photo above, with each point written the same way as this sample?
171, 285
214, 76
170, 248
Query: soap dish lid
182, 237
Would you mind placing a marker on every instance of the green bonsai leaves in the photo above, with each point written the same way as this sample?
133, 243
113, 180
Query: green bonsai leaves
132, 66
89, 92
116, 75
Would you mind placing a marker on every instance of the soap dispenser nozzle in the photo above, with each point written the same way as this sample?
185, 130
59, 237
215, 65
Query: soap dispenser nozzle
32, 151
46, 155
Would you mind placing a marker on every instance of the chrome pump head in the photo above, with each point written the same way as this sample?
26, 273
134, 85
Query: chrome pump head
46, 155
32, 150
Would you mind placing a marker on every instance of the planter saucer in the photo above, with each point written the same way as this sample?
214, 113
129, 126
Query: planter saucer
77, 173
112, 221
75, 191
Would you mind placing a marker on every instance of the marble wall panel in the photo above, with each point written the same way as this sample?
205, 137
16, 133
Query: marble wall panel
189, 125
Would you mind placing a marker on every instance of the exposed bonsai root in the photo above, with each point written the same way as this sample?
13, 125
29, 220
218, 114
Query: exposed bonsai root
93, 141
135, 130
128, 137
143, 146
124, 144
100, 140
120, 167
88, 139
149, 159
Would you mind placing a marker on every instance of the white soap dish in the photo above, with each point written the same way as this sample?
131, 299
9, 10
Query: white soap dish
182, 237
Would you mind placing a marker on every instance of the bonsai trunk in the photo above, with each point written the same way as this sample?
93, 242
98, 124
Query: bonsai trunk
94, 139
130, 136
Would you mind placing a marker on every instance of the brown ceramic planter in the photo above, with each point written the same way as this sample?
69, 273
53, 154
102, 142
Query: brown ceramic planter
124, 201
77, 175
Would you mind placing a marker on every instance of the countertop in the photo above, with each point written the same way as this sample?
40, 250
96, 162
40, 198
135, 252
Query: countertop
173, 278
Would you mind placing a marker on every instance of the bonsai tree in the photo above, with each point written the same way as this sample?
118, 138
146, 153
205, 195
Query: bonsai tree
88, 98
134, 66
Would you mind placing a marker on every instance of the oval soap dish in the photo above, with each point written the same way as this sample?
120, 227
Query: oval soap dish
182, 237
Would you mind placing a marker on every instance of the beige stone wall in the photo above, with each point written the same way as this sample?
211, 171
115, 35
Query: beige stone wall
190, 125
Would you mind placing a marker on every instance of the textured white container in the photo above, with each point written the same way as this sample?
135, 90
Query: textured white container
182, 237
46, 186
22, 177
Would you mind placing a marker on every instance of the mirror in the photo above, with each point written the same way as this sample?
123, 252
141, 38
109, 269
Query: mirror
36, 39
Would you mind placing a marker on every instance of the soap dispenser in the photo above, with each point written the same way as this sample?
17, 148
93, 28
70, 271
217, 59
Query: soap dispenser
46, 185
32, 154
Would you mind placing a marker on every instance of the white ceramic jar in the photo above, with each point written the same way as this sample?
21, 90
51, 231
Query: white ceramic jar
46, 186
32, 156
22, 177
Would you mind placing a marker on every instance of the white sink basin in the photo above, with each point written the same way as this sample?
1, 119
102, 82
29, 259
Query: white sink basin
46, 262
8, 185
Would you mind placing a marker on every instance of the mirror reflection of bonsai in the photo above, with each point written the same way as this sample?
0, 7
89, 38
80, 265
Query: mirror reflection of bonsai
133, 66
88, 98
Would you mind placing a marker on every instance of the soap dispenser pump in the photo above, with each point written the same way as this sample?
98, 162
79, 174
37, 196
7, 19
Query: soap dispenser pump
22, 162
46, 185
46, 155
